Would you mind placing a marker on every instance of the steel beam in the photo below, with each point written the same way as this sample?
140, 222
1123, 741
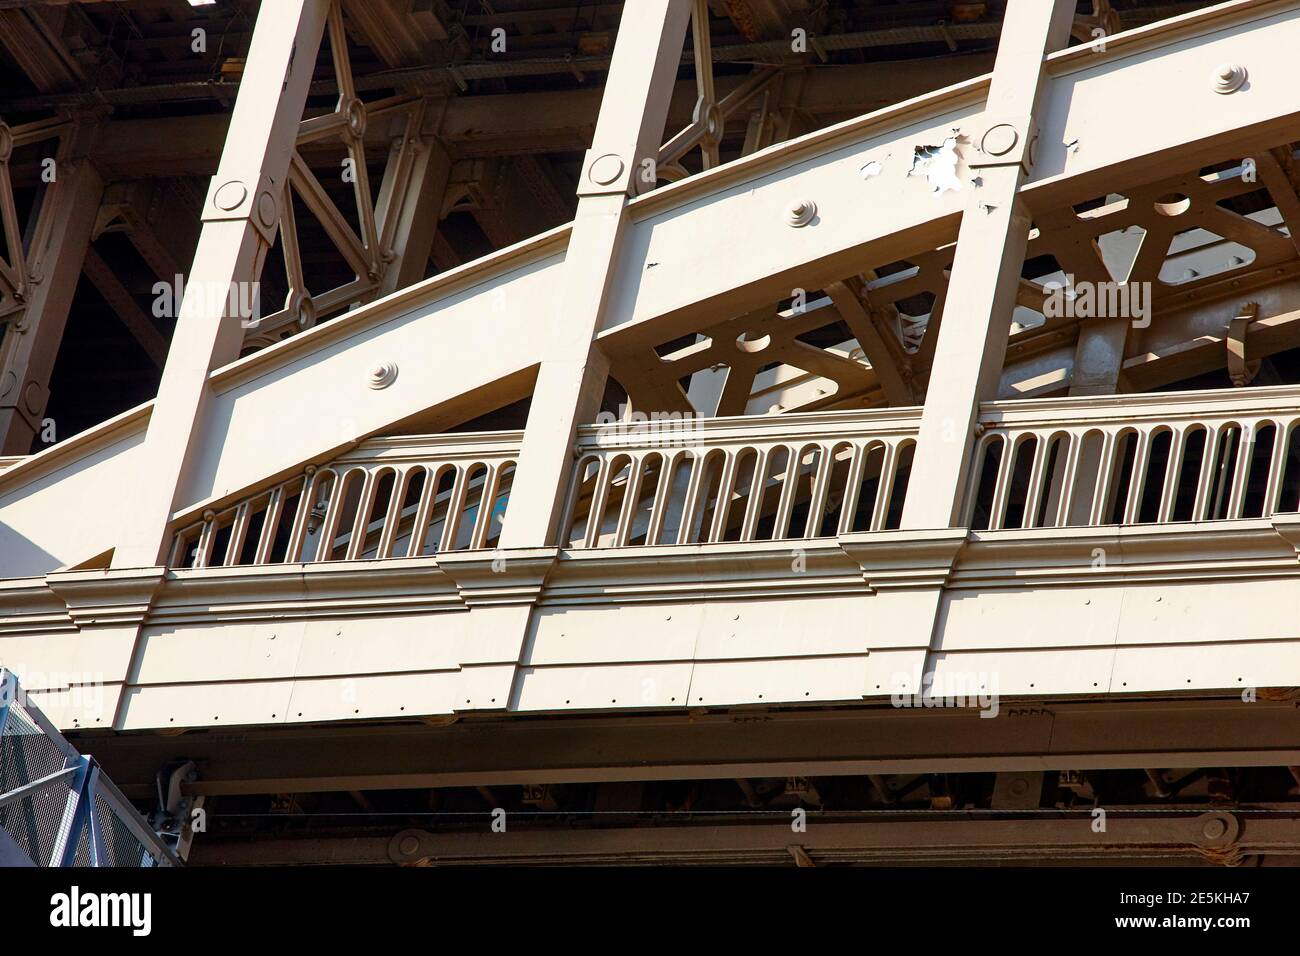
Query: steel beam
934, 838
986, 270
1045, 735
240, 218
31, 345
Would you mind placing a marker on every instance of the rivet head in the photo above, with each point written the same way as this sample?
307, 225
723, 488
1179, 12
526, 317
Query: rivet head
1214, 828
606, 169
1228, 77
268, 212
300, 304
800, 212
356, 114
230, 196
1000, 139
382, 375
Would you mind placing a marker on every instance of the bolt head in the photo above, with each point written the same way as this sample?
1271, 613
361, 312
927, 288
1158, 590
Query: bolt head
800, 212
1228, 78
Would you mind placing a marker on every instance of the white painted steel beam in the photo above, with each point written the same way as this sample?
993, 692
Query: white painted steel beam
240, 219
986, 270
572, 370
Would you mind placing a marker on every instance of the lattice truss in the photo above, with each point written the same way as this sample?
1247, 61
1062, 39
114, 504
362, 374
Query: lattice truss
358, 228
1202, 237
24, 232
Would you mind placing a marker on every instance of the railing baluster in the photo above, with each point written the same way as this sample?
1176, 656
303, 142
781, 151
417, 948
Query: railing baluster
203, 555
1173, 465
1034, 493
663, 497
1137, 478
627, 514
722, 504
1241, 467
333, 515
820, 490
757, 493
392, 514
302, 518
486, 503
266, 540
885, 487
1276, 465
1002, 487
599, 497
238, 529
789, 488
853, 487
361, 521
1102, 489
1069, 475
424, 509
698, 466
455, 508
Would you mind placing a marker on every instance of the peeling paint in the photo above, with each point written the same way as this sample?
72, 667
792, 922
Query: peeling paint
938, 164
871, 169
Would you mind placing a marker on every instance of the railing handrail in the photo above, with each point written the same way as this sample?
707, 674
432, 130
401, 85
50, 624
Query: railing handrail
740, 429
1141, 408
452, 446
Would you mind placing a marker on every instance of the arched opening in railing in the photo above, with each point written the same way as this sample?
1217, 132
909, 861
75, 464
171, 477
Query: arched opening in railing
409, 497
1087, 485
1188, 474
1288, 500
801, 523
1119, 486
989, 466
1260, 455
1223, 471
1048, 486
1017, 492
744, 485
902, 473
702, 499
862, 511
646, 501
1155, 470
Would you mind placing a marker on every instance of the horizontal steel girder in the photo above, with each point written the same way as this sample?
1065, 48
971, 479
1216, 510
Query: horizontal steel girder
1073, 735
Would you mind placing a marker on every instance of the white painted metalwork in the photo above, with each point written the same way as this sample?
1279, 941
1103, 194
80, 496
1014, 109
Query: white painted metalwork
697, 481
1143, 459
389, 498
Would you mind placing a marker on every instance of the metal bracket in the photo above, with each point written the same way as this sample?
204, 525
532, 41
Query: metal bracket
1241, 369
171, 820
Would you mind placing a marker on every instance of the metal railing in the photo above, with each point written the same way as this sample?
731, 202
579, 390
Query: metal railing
695, 481
57, 808
1136, 459
387, 498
